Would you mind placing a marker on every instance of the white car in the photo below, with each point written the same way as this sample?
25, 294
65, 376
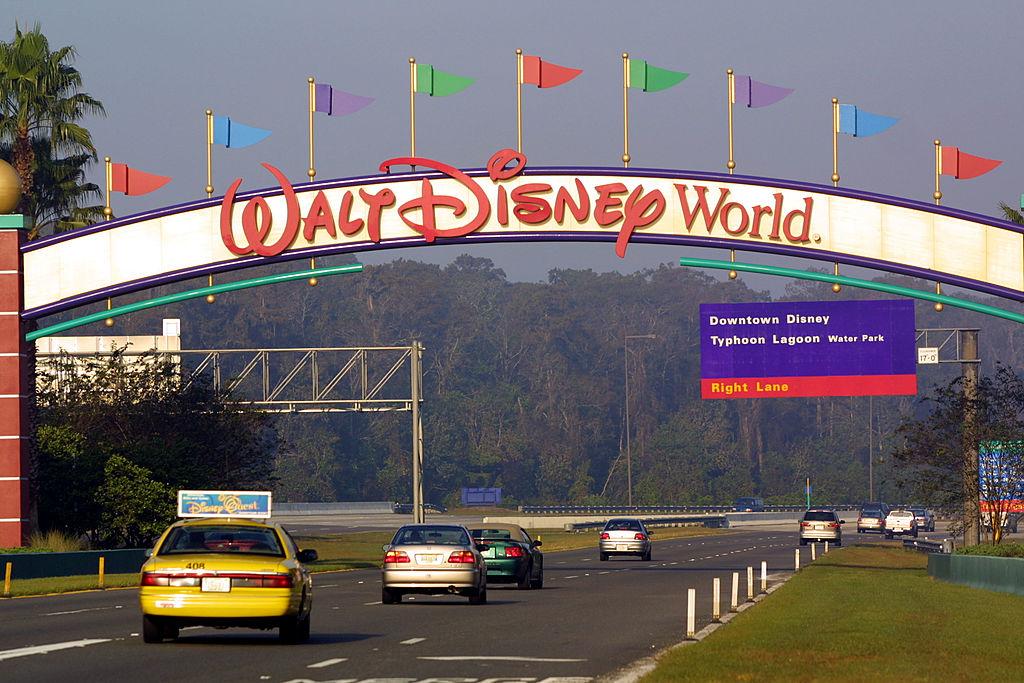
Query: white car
900, 522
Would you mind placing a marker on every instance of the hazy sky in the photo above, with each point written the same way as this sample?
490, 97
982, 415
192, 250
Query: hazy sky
948, 69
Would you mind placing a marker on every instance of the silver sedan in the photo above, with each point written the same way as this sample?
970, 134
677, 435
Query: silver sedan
433, 559
625, 536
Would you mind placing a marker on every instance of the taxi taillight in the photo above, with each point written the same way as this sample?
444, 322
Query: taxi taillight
238, 580
395, 556
153, 579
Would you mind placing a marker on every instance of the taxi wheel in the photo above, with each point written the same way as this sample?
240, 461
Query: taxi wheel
154, 630
294, 630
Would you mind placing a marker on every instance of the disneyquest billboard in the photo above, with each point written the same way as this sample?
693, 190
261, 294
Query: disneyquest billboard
807, 348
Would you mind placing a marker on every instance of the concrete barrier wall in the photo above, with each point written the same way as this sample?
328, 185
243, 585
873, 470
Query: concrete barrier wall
42, 565
1002, 574
740, 519
337, 508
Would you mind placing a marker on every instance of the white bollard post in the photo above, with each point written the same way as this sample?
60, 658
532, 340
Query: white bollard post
716, 610
814, 552
691, 613
764, 577
796, 560
750, 584
826, 546
735, 592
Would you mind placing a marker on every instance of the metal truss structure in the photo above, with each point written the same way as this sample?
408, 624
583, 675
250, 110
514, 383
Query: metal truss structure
954, 344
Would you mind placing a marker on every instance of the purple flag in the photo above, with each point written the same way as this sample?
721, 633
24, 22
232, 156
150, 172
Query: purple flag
757, 94
338, 102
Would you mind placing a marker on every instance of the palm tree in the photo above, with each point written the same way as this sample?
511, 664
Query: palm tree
1011, 214
40, 99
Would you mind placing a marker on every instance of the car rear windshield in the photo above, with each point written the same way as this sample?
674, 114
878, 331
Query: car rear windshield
871, 512
622, 525
222, 539
901, 513
492, 534
820, 516
430, 535
920, 512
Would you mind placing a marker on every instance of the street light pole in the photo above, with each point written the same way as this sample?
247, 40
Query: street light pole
629, 453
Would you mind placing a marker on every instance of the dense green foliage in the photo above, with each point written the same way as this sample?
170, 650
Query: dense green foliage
118, 438
524, 388
994, 550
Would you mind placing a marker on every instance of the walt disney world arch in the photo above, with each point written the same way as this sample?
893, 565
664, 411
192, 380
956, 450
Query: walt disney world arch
504, 201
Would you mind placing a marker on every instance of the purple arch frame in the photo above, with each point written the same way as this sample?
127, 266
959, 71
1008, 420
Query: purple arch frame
546, 236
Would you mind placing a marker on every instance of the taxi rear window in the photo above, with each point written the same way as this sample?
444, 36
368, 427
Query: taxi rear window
222, 539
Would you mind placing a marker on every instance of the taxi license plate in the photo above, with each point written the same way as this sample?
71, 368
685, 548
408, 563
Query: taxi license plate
428, 559
622, 546
216, 584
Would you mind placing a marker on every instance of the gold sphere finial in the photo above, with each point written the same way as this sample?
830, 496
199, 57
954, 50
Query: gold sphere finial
835, 177
311, 172
107, 211
519, 50
939, 307
836, 287
732, 274
730, 164
310, 79
835, 100
10, 188
313, 282
412, 60
109, 322
209, 111
937, 142
936, 195
210, 298
209, 189
729, 71
106, 159
626, 158
625, 55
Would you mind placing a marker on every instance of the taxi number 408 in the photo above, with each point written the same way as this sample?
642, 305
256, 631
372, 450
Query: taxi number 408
195, 565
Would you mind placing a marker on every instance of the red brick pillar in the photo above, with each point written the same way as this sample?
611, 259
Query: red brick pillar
14, 389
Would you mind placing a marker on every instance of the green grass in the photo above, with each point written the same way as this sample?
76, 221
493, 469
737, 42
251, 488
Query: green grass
362, 550
861, 614
68, 584
1001, 550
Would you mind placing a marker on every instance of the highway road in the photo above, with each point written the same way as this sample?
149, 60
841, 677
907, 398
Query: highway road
591, 618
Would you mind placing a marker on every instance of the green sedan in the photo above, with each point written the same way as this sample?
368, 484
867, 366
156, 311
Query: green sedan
511, 555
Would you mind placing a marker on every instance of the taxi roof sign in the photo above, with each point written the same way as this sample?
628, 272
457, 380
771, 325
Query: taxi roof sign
255, 504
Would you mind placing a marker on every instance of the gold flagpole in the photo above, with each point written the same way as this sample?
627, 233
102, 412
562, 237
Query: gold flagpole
311, 171
938, 171
412, 106
519, 100
107, 211
730, 99
209, 152
835, 142
625, 109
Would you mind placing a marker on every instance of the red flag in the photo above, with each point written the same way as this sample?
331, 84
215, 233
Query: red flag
962, 165
545, 74
134, 182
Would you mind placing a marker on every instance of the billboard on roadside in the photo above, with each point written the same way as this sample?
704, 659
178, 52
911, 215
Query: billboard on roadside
807, 348
1001, 476
254, 504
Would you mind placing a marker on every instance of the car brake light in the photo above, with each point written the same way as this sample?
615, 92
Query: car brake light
833, 525
396, 557
803, 524
278, 581
462, 557
151, 579
640, 537
605, 536
514, 551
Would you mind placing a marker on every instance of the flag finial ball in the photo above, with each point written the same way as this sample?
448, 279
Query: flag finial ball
939, 307
835, 100
936, 142
729, 71
107, 211
210, 298
936, 195
835, 177
625, 55
312, 282
837, 288
412, 60
626, 158
311, 172
519, 50
209, 112
106, 159
730, 164
109, 322
309, 80
732, 274
209, 189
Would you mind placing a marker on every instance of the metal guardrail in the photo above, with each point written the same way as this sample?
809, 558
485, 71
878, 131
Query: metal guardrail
654, 509
655, 522
925, 546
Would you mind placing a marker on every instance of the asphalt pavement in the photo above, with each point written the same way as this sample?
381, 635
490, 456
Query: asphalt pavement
591, 618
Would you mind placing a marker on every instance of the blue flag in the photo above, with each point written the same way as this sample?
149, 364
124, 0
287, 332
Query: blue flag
860, 123
233, 134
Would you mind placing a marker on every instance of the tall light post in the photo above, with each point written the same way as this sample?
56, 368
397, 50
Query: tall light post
629, 454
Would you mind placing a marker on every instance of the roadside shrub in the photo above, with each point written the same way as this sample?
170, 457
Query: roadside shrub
1001, 550
56, 541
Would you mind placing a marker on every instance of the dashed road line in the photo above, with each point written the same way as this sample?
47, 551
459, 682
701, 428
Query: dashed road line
52, 647
79, 611
500, 658
376, 602
327, 662
412, 641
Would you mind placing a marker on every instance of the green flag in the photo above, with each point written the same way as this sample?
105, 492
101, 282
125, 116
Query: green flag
439, 83
651, 78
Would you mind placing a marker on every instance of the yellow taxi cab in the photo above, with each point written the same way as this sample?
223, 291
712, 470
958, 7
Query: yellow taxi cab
224, 572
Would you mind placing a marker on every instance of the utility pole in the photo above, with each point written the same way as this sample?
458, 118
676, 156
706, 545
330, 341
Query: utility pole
971, 366
629, 453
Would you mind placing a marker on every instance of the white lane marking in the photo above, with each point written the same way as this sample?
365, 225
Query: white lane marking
673, 563
587, 559
574, 576
499, 658
602, 572
362, 582
133, 635
190, 628
328, 585
327, 662
52, 647
378, 602
412, 641
79, 611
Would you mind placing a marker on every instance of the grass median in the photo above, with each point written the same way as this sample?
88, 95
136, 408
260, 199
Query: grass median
865, 613
362, 550
70, 584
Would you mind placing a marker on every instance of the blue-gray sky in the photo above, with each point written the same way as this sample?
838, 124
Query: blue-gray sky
947, 69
